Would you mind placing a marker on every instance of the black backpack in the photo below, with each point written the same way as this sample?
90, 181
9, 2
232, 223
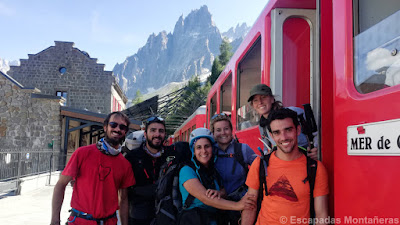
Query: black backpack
311, 174
168, 197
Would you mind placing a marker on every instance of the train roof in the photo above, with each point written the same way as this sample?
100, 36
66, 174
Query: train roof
199, 111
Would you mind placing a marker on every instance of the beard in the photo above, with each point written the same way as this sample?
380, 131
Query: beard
150, 143
286, 150
113, 141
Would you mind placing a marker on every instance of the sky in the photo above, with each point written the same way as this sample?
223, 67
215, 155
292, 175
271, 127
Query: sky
108, 30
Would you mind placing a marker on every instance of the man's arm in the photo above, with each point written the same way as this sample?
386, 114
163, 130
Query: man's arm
58, 198
123, 206
321, 208
249, 216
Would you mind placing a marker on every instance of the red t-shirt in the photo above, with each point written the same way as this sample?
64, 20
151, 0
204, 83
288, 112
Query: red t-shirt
288, 196
98, 177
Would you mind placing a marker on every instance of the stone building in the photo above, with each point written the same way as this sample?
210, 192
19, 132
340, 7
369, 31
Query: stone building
63, 70
30, 131
28, 119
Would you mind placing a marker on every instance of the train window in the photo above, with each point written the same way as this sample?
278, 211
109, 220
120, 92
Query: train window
296, 38
213, 105
376, 44
226, 95
187, 134
248, 75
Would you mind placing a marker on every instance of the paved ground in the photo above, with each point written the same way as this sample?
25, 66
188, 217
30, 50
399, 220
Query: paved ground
33, 208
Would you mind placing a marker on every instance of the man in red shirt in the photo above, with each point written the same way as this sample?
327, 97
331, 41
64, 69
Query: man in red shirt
100, 173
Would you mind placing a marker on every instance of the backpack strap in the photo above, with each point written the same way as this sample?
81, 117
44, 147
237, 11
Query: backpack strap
189, 200
238, 155
311, 174
262, 179
237, 148
265, 164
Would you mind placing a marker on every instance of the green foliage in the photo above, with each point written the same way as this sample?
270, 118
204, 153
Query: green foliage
226, 52
216, 70
194, 95
220, 62
138, 98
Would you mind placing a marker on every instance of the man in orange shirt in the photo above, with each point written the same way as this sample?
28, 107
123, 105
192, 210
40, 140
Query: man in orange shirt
288, 199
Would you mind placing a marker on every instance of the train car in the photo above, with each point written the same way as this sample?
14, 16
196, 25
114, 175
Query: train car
196, 120
341, 57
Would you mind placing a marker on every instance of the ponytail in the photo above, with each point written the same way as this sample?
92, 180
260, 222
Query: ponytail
276, 105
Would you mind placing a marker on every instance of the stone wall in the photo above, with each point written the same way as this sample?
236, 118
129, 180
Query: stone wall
87, 85
28, 121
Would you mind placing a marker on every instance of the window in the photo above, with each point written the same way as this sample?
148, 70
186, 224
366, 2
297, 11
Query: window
63, 94
226, 95
248, 75
296, 60
376, 44
213, 105
62, 70
188, 134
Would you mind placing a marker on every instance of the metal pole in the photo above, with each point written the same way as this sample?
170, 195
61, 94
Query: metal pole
18, 190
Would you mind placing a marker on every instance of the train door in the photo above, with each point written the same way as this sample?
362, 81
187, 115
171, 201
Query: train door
294, 77
366, 110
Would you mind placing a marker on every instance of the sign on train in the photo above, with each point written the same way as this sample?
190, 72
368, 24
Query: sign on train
379, 138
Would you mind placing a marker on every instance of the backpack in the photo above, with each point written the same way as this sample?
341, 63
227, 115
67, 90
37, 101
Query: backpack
311, 174
238, 155
168, 197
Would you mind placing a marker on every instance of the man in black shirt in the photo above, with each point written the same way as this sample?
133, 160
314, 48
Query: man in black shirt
146, 161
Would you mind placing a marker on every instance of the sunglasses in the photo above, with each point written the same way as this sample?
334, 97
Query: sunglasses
220, 114
154, 119
121, 126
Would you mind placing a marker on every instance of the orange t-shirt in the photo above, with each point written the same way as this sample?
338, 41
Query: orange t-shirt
288, 196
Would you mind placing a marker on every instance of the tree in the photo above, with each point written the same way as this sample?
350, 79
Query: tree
138, 98
226, 52
220, 62
216, 70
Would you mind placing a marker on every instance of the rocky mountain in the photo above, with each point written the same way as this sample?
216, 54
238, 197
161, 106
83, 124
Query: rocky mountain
174, 57
236, 35
5, 64
236, 32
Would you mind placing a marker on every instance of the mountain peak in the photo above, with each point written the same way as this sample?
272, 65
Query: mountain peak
236, 32
174, 57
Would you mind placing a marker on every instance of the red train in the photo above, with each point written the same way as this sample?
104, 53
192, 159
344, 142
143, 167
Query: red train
196, 120
342, 57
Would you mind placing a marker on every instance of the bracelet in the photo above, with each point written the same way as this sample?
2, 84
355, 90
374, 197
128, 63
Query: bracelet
55, 222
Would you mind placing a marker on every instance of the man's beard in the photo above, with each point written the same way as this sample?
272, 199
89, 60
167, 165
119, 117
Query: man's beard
114, 142
286, 151
150, 143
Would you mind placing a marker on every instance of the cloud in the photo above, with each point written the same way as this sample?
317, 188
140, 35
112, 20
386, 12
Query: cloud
5, 10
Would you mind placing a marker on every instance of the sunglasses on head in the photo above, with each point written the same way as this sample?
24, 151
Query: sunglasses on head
220, 114
154, 119
121, 126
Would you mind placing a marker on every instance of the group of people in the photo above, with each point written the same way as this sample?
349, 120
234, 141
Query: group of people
223, 181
